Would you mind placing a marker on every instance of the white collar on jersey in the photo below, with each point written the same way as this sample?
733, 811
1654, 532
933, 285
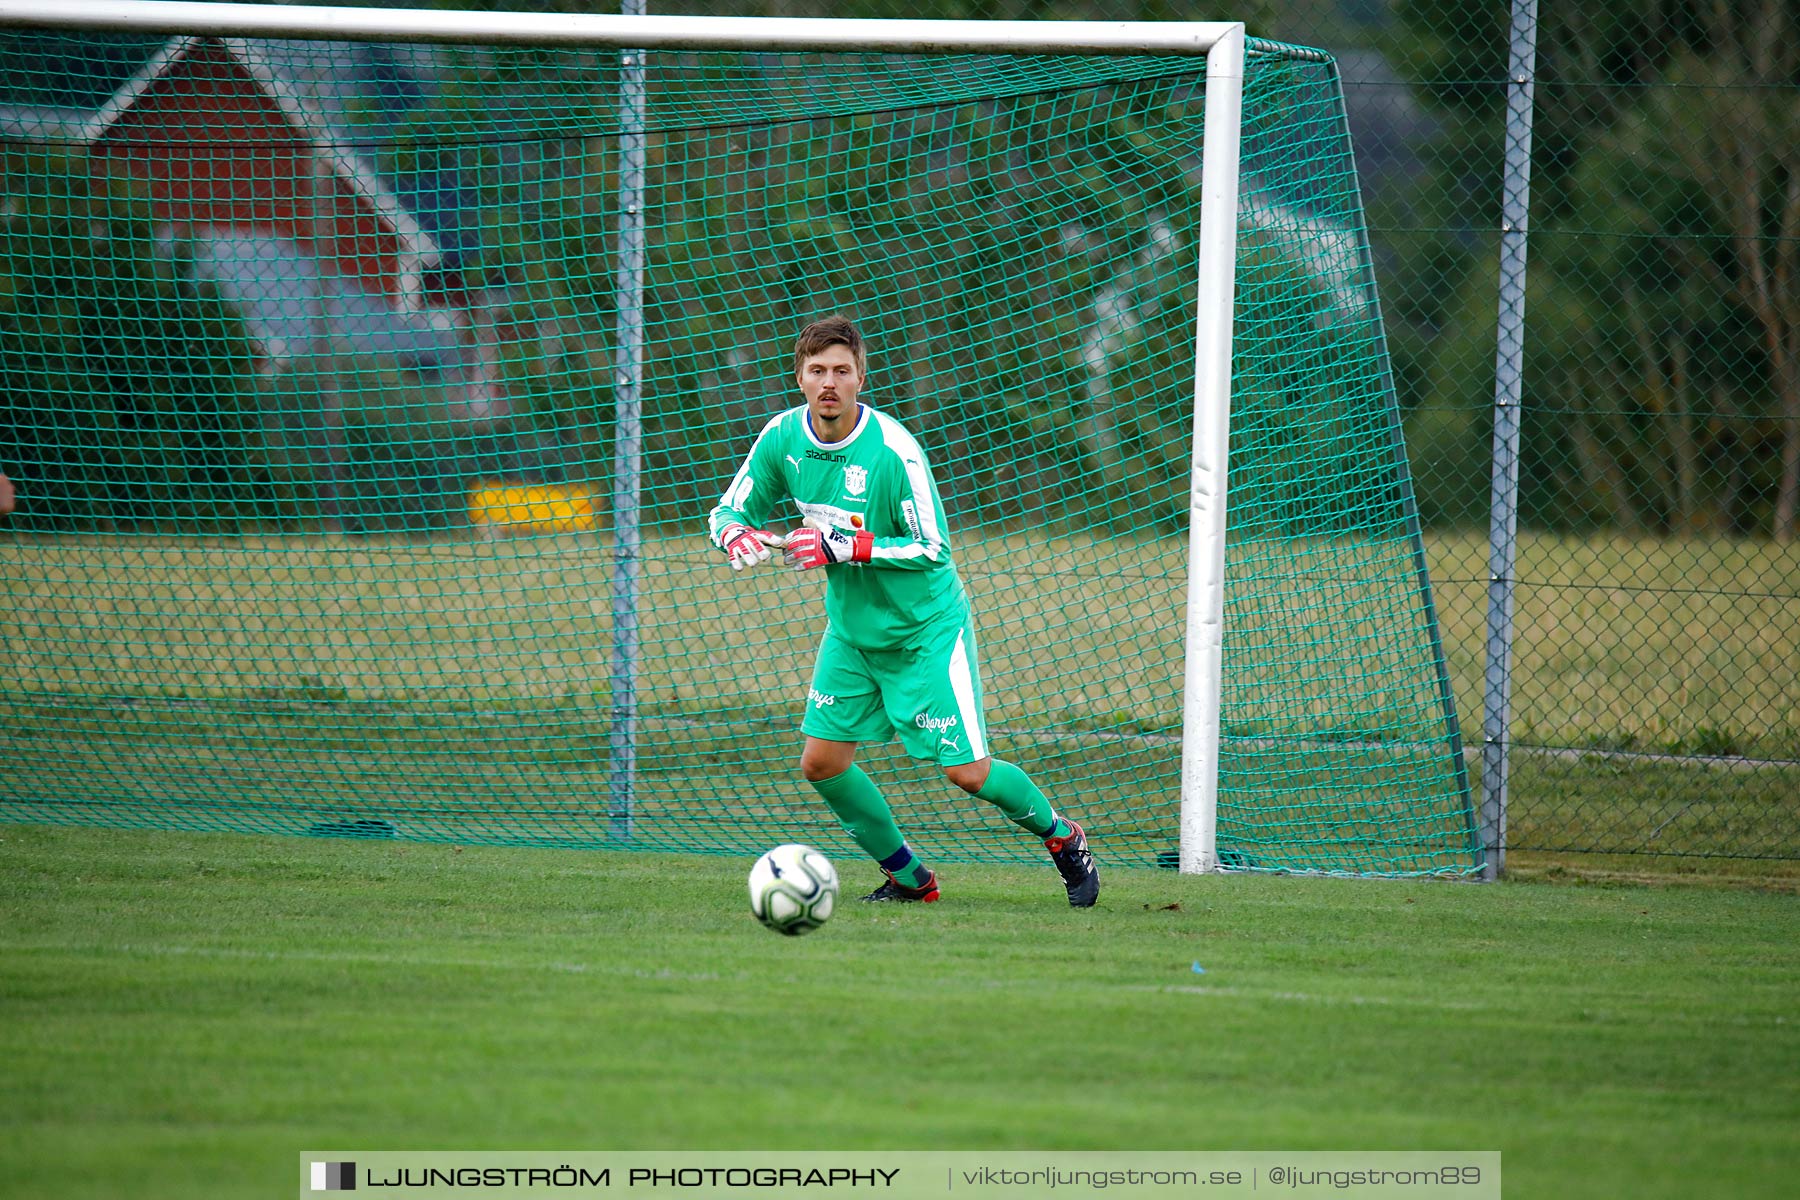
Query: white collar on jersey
863, 419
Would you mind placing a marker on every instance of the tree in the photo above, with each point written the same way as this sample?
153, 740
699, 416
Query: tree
1663, 362
1681, 367
127, 383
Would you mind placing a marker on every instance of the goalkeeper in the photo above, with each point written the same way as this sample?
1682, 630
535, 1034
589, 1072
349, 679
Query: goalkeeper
898, 655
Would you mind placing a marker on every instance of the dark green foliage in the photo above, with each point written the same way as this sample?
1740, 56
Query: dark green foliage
1660, 390
69, 69
128, 383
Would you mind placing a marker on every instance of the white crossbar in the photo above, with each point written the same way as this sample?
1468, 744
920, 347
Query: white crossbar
604, 29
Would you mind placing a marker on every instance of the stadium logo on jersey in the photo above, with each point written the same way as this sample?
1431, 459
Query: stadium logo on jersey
856, 479
911, 512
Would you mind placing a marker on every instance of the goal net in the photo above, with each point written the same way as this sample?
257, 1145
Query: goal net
365, 402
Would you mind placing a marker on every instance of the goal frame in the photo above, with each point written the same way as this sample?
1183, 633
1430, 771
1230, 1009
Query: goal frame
1221, 43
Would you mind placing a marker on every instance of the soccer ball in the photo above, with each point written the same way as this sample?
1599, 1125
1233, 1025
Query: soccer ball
793, 889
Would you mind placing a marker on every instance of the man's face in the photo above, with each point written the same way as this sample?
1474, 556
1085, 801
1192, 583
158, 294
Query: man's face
830, 382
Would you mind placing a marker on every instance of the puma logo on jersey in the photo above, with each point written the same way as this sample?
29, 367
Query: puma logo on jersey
793, 460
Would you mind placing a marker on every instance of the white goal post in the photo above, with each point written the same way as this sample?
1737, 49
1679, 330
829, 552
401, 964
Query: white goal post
1221, 43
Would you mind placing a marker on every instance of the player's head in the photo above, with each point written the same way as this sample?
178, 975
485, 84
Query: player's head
826, 332
830, 364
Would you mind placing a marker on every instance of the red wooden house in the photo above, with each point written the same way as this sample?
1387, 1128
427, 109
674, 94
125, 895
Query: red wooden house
224, 144
232, 155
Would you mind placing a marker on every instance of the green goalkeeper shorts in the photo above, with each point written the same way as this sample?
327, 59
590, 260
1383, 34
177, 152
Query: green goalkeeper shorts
929, 694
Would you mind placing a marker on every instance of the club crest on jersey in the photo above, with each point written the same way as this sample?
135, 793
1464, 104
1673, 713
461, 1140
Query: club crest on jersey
856, 479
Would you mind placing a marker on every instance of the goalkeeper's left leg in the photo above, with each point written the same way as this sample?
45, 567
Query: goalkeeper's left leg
1012, 791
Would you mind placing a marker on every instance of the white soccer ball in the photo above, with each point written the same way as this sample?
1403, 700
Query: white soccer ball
793, 889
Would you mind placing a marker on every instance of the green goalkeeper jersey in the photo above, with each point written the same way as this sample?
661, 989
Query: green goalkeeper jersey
876, 479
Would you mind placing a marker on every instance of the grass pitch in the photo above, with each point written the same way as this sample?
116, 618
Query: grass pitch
181, 1014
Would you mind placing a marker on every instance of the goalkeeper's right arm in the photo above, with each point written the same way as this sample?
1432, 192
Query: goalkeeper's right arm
735, 523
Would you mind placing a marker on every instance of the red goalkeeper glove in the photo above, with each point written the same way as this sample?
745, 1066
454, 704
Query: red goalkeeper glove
817, 544
746, 547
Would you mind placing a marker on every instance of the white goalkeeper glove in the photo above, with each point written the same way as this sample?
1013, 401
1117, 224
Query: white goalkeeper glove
745, 547
817, 543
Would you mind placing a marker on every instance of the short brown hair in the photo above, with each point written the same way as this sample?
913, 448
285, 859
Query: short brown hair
821, 335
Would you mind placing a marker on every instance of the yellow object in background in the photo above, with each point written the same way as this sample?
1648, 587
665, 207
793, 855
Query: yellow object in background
531, 508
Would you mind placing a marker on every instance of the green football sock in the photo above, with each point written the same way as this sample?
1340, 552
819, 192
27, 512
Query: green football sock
859, 806
1011, 791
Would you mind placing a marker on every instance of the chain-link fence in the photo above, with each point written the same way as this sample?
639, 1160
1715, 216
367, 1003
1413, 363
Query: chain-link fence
1651, 584
1654, 574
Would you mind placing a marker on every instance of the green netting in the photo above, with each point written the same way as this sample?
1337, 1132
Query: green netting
309, 353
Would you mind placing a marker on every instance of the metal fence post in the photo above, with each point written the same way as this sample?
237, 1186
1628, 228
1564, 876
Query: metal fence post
1503, 505
628, 433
